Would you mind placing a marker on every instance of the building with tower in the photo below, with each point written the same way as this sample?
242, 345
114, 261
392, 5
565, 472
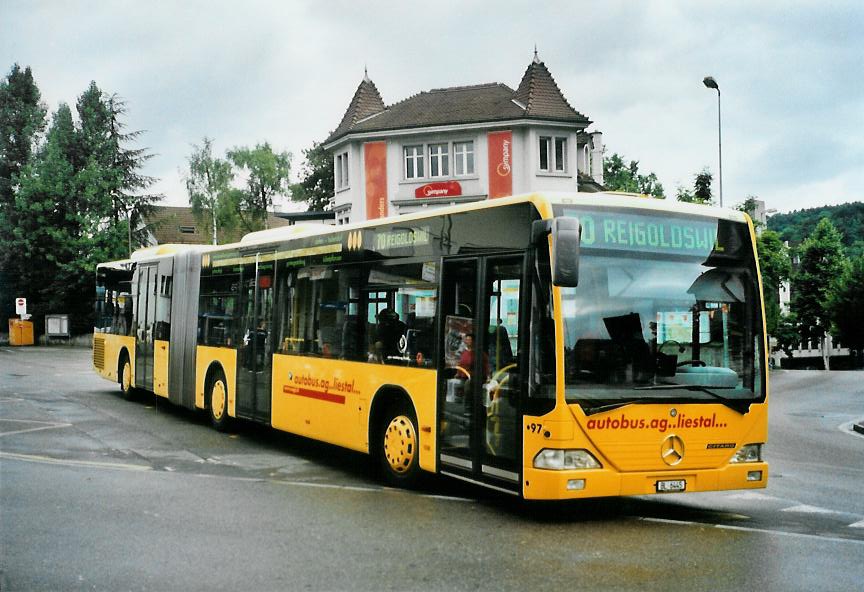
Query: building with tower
460, 144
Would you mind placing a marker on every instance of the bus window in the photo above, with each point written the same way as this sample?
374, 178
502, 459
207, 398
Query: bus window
218, 309
323, 314
400, 313
113, 286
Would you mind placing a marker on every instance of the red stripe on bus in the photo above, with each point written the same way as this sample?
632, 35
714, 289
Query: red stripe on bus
320, 395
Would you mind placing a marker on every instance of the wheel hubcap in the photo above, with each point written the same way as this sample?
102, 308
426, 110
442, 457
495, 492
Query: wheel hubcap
127, 377
217, 400
400, 444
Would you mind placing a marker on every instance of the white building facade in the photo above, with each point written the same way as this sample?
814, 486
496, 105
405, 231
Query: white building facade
461, 144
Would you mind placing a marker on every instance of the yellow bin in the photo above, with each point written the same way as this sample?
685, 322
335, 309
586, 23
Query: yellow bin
20, 332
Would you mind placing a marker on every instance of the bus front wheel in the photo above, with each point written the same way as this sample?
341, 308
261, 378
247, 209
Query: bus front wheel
217, 403
398, 446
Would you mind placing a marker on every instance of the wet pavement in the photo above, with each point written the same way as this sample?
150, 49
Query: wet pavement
100, 493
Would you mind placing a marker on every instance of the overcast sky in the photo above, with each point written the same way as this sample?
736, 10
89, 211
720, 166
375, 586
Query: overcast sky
241, 73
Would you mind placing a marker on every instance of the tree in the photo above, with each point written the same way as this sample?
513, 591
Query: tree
701, 193
821, 265
848, 218
316, 179
69, 198
619, 176
22, 120
50, 226
847, 306
787, 334
775, 264
749, 206
266, 178
111, 185
208, 183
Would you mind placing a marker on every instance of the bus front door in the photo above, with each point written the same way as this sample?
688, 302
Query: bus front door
255, 349
481, 370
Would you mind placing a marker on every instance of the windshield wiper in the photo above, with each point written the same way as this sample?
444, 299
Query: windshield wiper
689, 387
617, 404
740, 406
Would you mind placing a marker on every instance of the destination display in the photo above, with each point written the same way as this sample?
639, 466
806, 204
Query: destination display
648, 233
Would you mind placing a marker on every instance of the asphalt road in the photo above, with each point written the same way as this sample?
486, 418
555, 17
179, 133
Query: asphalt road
97, 493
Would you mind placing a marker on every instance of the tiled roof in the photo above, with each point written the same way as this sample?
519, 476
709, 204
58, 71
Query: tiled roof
538, 97
179, 226
446, 106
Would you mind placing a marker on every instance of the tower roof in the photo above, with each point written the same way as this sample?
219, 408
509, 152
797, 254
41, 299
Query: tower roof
538, 97
366, 102
541, 96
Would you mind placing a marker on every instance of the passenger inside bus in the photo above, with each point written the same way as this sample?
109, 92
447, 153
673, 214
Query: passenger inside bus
388, 333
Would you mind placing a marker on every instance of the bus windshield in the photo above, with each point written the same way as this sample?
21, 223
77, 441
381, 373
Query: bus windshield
670, 320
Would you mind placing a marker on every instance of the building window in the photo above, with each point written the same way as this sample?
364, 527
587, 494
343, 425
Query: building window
414, 162
340, 171
439, 160
463, 158
560, 154
343, 217
553, 154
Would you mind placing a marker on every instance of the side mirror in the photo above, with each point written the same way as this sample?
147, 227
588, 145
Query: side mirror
566, 233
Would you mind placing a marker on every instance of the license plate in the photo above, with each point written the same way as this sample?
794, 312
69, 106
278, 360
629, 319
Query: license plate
671, 485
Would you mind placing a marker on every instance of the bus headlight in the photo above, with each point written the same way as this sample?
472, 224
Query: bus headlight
748, 453
562, 460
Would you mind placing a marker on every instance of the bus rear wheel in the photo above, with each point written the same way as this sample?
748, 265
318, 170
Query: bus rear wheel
217, 403
398, 447
125, 378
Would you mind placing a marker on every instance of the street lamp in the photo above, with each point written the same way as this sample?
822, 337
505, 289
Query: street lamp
711, 83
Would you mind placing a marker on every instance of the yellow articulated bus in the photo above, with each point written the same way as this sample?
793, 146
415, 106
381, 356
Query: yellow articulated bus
551, 346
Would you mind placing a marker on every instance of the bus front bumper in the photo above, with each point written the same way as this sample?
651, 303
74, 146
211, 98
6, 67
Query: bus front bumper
543, 484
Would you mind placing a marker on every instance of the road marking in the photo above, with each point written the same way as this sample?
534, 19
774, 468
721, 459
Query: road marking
72, 463
127, 467
331, 486
46, 425
754, 496
805, 509
798, 535
846, 428
857, 525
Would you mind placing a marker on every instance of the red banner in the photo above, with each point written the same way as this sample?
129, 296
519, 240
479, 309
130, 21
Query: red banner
375, 157
440, 189
500, 164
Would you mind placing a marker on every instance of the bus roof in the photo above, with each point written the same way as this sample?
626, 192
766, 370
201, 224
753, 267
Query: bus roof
543, 201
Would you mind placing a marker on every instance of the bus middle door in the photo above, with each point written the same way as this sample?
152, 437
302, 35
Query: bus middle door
255, 349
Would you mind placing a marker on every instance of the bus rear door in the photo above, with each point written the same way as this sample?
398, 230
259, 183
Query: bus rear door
145, 318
